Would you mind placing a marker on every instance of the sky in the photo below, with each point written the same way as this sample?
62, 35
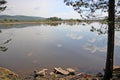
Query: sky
40, 8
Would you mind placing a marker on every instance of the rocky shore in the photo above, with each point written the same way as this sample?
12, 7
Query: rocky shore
56, 74
6, 74
64, 74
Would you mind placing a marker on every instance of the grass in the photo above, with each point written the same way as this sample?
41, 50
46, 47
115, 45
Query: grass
6, 74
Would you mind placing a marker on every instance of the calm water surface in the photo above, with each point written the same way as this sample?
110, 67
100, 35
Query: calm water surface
47, 46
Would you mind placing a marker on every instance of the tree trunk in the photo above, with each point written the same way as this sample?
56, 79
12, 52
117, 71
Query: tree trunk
110, 44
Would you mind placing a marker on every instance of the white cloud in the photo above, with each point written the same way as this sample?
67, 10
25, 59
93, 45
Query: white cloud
69, 15
43, 8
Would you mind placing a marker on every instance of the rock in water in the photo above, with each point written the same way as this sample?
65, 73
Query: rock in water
40, 73
71, 71
61, 71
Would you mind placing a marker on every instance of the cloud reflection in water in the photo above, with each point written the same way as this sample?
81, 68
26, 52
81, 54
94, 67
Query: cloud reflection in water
93, 48
74, 36
117, 41
91, 40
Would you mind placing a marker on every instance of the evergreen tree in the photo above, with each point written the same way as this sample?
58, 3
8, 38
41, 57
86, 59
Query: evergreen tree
91, 9
2, 7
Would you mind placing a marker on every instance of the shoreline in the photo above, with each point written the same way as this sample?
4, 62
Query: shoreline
57, 73
44, 22
29, 22
41, 75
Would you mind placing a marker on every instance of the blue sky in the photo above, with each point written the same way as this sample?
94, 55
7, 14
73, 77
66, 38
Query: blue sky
40, 8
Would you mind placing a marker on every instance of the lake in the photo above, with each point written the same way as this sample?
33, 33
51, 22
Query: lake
81, 46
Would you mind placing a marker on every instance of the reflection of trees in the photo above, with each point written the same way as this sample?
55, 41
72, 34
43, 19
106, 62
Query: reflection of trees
3, 48
90, 9
53, 24
103, 28
117, 27
0, 31
2, 8
72, 23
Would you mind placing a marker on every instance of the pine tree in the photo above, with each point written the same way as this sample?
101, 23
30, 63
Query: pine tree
2, 2
89, 9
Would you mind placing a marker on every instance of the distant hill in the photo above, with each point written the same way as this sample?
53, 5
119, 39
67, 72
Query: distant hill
20, 18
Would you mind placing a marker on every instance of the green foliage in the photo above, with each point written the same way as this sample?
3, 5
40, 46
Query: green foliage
9, 20
2, 2
87, 8
2, 8
54, 19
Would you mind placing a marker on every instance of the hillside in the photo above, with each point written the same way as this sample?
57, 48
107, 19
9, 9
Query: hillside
20, 18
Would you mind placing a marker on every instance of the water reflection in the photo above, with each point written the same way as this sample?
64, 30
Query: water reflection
92, 48
36, 46
3, 48
9, 26
102, 28
72, 23
52, 24
117, 41
91, 40
117, 27
74, 36
59, 45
